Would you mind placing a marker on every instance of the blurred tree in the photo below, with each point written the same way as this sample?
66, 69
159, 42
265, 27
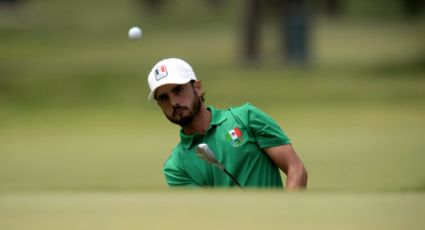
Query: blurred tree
215, 3
154, 5
412, 8
10, 3
333, 8
251, 29
157, 5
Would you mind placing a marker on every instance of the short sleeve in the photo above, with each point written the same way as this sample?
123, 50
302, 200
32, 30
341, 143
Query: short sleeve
265, 129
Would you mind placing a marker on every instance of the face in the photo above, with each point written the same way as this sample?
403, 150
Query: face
179, 103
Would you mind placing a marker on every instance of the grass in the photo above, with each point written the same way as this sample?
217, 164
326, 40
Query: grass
345, 149
74, 115
212, 210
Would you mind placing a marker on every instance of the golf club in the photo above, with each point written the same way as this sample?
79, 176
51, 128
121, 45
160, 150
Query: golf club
205, 153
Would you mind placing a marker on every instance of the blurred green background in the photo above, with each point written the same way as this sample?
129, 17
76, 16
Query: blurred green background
77, 132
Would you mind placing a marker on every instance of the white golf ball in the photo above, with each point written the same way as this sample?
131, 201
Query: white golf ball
135, 33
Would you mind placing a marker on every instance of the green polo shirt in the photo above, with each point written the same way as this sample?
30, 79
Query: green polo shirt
236, 136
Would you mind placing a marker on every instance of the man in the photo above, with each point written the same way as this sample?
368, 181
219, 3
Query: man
248, 142
293, 23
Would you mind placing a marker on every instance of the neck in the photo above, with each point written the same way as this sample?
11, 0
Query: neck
200, 122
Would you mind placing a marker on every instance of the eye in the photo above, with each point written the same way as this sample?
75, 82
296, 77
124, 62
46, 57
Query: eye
163, 98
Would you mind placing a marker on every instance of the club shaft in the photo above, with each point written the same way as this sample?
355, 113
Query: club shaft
232, 177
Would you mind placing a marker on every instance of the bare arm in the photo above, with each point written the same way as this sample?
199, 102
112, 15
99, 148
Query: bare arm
288, 161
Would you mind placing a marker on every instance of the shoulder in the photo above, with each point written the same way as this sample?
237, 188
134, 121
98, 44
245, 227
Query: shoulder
247, 110
240, 109
245, 106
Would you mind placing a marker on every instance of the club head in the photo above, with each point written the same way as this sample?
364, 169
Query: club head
205, 153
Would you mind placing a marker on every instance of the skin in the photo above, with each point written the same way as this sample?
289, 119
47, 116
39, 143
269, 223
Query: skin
182, 105
285, 157
177, 102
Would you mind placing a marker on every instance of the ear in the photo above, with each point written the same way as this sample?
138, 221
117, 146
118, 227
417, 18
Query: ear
198, 87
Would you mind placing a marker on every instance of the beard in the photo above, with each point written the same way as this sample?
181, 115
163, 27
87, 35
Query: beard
180, 118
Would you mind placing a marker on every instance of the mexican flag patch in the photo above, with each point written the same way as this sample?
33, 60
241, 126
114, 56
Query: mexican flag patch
234, 136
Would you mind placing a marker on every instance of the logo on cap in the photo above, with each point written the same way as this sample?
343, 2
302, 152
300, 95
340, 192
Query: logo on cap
161, 72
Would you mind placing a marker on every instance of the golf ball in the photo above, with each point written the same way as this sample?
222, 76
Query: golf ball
135, 33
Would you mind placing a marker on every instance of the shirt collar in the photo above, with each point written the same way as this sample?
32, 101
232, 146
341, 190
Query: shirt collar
217, 117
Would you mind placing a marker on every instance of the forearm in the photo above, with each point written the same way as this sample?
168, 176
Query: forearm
296, 177
288, 161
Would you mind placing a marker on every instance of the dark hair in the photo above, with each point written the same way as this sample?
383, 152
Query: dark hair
192, 82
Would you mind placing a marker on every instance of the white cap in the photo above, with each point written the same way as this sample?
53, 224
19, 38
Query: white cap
169, 71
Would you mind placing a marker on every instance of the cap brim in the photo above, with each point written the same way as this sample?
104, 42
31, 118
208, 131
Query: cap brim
150, 96
152, 93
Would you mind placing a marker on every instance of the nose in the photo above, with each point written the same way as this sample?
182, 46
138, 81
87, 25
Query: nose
174, 101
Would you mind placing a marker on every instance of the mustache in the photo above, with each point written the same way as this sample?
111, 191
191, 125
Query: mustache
178, 107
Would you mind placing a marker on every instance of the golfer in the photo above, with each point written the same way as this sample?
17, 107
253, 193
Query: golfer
248, 142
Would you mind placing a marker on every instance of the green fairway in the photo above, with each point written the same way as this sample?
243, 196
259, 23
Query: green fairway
212, 210
379, 149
